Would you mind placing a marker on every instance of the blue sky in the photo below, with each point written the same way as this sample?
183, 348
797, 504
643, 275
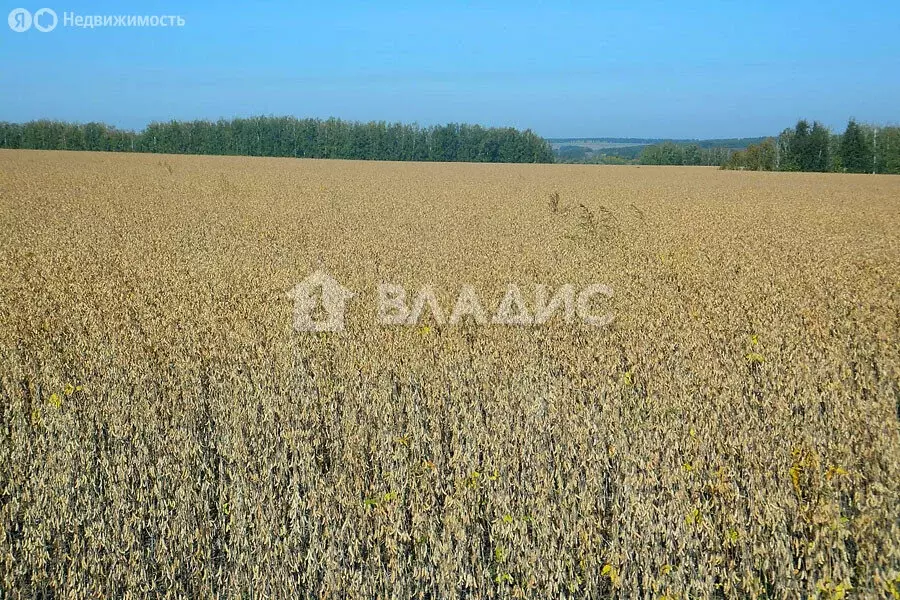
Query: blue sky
564, 69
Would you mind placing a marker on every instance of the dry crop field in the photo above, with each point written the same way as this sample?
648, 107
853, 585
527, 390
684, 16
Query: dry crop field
165, 431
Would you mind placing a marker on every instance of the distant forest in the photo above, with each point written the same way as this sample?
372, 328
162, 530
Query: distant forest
808, 146
289, 136
641, 151
813, 147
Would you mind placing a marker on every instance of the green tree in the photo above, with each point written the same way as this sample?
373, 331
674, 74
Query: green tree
817, 153
888, 150
856, 153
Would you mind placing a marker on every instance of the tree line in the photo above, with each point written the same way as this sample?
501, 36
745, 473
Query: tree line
670, 153
666, 153
712, 152
291, 137
813, 147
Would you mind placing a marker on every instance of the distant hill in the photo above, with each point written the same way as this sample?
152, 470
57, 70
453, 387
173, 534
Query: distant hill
600, 143
605, 143
616, 150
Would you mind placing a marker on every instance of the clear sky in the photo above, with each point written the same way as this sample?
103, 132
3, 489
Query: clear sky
564, 69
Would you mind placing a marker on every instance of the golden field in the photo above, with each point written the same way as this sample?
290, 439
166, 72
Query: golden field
735, 432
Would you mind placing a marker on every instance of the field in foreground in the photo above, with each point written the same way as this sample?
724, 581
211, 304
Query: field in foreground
163, 429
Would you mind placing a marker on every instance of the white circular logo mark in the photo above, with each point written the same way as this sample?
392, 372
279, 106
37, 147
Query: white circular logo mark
49, 16
19, 20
